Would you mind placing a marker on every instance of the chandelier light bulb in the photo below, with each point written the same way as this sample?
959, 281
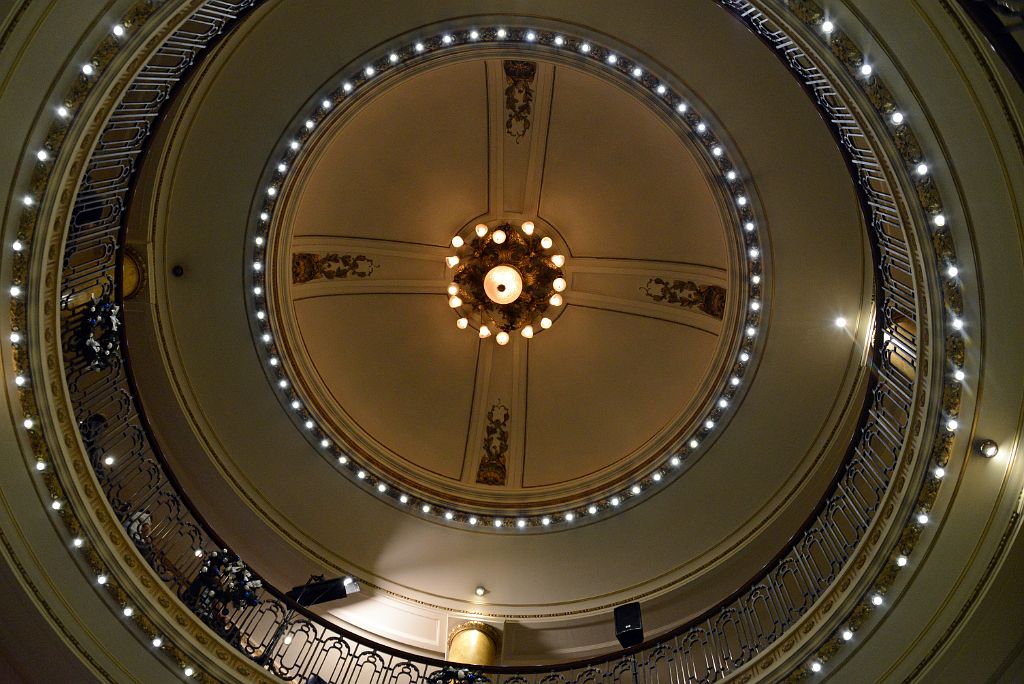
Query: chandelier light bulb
528, 227
847, 635
455, 302
827, 27
453, 289
462, 323
501, 338
558, 284
545, 322
570, 516
558, 260
457, 242
922, 169
452, 261
481, 229
546, 242
527, 332
499, 237
556, 300
484, 331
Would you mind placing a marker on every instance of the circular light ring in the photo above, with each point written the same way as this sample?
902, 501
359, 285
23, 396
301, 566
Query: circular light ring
747, 226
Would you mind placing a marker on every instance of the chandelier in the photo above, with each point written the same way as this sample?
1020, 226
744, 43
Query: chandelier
503, 281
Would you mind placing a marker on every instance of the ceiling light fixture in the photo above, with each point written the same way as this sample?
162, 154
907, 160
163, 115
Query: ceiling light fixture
501, 280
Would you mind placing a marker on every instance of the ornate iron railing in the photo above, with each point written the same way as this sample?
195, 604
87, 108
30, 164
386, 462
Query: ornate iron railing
293, 642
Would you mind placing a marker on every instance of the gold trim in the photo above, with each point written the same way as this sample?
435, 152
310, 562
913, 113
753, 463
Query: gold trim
490, 631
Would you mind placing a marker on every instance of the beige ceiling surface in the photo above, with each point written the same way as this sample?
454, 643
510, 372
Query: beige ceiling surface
374, 340
268, 491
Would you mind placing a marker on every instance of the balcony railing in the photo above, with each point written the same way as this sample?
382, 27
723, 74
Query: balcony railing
294, 643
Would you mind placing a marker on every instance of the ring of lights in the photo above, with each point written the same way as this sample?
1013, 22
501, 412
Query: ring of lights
728, 177
39, 194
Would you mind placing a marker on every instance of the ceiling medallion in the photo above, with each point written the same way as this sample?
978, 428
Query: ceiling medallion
503, 280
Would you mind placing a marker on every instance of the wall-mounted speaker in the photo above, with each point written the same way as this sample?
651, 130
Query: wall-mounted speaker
629, 628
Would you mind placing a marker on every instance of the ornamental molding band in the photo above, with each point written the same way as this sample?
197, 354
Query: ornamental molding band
788, 623
519, 77
707, 299
307, 267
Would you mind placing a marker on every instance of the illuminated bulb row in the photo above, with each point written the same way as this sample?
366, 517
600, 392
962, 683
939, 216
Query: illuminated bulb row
715, 150
951, 271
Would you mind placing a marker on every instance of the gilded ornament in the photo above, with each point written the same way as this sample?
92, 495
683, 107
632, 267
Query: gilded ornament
492, 469
519, 77
687, 294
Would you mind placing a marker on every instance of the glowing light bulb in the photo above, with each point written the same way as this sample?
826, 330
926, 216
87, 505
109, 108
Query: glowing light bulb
569, 517
694, 443
675, 461
827, 27
481, 229
546, 242
452, 261
592, 510
815, 666
612, 59
545, 322
922, 169
952, 271
558, 284
896, 118
556, 300
484, 331
520, 523
939, 220
457, 242
840, 322
584, 47
481, 590
462, 323
453, 289
559, 41
876, 600
473, 520
528, 227
558, 260
902, 561
865, 69
847, 635
615, 501
499, 237
501, 338
527, 332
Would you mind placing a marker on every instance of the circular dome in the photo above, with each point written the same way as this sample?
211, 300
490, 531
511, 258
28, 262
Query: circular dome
544, 423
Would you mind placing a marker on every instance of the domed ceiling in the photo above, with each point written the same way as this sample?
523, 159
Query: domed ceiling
272, 390
538, 423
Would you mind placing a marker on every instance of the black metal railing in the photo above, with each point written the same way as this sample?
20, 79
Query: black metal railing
293, 642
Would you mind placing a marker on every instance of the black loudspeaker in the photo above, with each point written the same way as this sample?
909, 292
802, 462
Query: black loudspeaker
629, 628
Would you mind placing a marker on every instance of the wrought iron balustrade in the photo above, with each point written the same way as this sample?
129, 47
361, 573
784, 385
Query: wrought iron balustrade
293, 642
